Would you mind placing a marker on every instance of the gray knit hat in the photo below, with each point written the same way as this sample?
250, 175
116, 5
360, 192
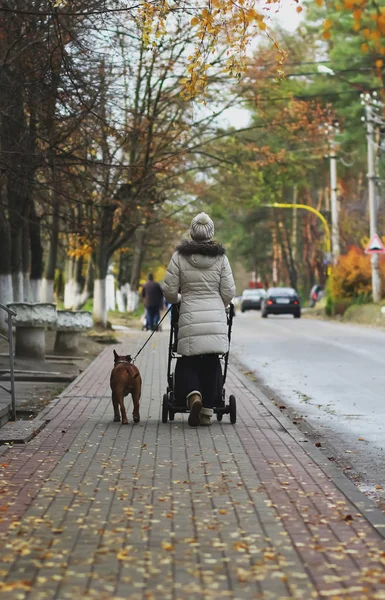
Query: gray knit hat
202, 228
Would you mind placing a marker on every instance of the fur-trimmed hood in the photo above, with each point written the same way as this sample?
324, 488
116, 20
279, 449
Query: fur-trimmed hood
212, 249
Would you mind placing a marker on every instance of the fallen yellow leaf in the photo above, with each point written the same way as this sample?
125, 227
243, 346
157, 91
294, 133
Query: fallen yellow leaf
167, 546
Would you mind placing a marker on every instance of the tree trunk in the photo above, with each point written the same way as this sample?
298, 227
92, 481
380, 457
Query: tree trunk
6, 292
124, 287
26, 243
15, 144
88, 285
284, 238
274, 273
99, 312
16, 213
79, 283
36, 256
70, 284
133, 295
49, 272
17, 264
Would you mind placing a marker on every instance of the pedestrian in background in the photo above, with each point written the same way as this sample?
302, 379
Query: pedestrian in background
200, 271
153, 301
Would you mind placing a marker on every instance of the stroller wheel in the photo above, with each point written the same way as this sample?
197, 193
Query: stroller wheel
171, 415
165, 408
233, 409
219, 416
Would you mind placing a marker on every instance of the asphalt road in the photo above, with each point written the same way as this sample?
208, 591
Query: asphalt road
331, 378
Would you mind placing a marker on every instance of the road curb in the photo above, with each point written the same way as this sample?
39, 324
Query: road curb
358, 499
21, 432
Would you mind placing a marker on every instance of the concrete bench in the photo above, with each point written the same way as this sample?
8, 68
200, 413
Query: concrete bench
31, 321
70, 324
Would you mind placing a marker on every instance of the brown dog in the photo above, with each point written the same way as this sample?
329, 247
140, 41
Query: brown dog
125, 379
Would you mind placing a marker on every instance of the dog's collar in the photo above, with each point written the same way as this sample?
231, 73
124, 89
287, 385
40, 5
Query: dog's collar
123, 361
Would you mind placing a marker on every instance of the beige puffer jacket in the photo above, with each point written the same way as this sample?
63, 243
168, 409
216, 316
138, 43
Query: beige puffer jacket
201, 272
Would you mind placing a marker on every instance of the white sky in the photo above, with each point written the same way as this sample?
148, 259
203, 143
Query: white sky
288, 18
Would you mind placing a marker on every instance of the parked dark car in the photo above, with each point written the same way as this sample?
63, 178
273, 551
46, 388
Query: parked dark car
281, 301
252, 299
316, 293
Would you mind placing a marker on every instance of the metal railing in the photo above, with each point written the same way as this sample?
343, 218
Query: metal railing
9, 339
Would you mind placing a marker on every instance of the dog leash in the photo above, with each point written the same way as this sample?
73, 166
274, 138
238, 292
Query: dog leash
152, 333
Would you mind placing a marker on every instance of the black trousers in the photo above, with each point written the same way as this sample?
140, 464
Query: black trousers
202, 373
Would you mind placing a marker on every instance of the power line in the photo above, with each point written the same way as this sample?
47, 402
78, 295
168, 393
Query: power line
311, 96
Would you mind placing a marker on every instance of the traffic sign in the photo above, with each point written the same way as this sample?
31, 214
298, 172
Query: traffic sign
375, 246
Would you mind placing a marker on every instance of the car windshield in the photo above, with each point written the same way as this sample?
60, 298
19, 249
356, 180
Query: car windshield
253, 293
281, 292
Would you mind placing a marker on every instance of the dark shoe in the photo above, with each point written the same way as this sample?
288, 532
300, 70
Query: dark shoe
194, 402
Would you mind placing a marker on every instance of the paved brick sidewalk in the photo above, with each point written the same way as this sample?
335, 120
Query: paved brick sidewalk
94, 509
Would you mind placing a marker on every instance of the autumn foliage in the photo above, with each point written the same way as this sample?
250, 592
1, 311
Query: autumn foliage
351, 277
368, 19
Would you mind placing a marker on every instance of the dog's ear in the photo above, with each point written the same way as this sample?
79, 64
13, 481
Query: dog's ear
128, 357
116, 356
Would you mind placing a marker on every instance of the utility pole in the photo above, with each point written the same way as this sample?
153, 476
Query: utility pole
331, 131
376, 277
334, 198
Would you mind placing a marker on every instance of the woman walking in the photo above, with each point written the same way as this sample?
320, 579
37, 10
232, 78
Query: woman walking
199, 276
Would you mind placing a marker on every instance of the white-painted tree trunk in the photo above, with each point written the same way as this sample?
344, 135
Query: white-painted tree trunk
81, 299
6, 295
70, 290
100, 302
110, 292
35, 290
26, 288
122, 296
77, 296
132, 301
47, 290
17, 285
120, 300
74, 297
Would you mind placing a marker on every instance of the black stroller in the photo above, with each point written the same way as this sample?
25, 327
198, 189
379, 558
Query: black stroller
171, 403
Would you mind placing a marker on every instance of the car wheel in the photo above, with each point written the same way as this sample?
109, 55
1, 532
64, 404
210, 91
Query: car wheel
264, 314
243, 309
297, 315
